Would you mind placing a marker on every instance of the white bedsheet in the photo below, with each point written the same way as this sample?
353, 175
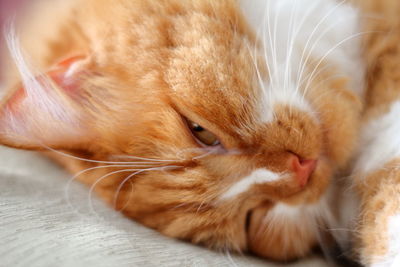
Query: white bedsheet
39, 227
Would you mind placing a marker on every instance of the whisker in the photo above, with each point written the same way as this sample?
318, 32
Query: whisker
274, 48
13, 43
135, 173
98, 181
148, 159
267, 22
200, 206
333, 48
129, 199
300, 74
303, 20
102, 161
289, 50
68, 185
322, 69
230, 259
258, 74
310, 77
289, 42
211, 151
272, 71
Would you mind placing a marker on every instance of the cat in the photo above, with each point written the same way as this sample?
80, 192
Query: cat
222, 123
376, 172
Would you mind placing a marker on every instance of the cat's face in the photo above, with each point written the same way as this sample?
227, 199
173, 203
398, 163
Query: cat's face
222, 156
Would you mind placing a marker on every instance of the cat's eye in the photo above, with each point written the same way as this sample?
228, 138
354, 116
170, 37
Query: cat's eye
202, 135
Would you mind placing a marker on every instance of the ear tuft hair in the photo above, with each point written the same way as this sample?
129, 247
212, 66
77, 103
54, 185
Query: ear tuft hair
39, 111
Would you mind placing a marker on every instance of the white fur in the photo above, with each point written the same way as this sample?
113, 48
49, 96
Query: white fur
33, 87
258, 176
392, 258
380, 142
42, 108
320, 217
307, 214
293, 32
309, 218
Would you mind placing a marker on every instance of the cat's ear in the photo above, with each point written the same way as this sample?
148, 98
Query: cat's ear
47, 109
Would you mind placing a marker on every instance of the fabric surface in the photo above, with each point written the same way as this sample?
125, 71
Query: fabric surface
47, 221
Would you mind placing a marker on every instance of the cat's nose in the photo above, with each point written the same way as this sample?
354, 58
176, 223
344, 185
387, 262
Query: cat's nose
302, 168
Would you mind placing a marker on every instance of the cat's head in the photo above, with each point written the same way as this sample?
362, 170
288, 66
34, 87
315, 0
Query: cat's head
212, 148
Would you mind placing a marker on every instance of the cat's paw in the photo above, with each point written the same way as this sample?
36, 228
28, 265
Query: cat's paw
391, 241
379, 228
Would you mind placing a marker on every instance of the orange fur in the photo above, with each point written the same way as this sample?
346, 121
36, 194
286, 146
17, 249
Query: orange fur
379, 190
380, 200
151, 62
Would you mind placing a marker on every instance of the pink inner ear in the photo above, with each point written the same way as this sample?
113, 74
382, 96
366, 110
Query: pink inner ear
65, 76
62, 75
13, 103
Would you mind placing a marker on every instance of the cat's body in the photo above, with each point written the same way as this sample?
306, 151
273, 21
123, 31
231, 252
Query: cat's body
377, 168
281, 98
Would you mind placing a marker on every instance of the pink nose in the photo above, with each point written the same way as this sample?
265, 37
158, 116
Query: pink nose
302, 168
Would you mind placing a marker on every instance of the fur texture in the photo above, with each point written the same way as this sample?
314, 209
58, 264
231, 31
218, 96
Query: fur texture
376, 172
289, 83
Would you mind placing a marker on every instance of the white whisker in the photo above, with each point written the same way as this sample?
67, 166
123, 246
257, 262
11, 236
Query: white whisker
69, 183
332, 49
300, 73
295, 36
135, 173
271, 68
148, 159
230, 259
107, 162
313, 75
274, 48
98, 181
289, 51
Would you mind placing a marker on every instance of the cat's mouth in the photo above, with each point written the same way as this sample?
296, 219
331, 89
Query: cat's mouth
270, 225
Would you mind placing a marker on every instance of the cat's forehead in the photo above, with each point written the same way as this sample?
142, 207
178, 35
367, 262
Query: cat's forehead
213, 74
214, 83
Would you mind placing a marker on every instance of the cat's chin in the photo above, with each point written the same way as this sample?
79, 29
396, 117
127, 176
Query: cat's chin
280, 233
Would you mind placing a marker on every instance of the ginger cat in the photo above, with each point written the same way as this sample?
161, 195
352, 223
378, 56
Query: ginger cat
222, 123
